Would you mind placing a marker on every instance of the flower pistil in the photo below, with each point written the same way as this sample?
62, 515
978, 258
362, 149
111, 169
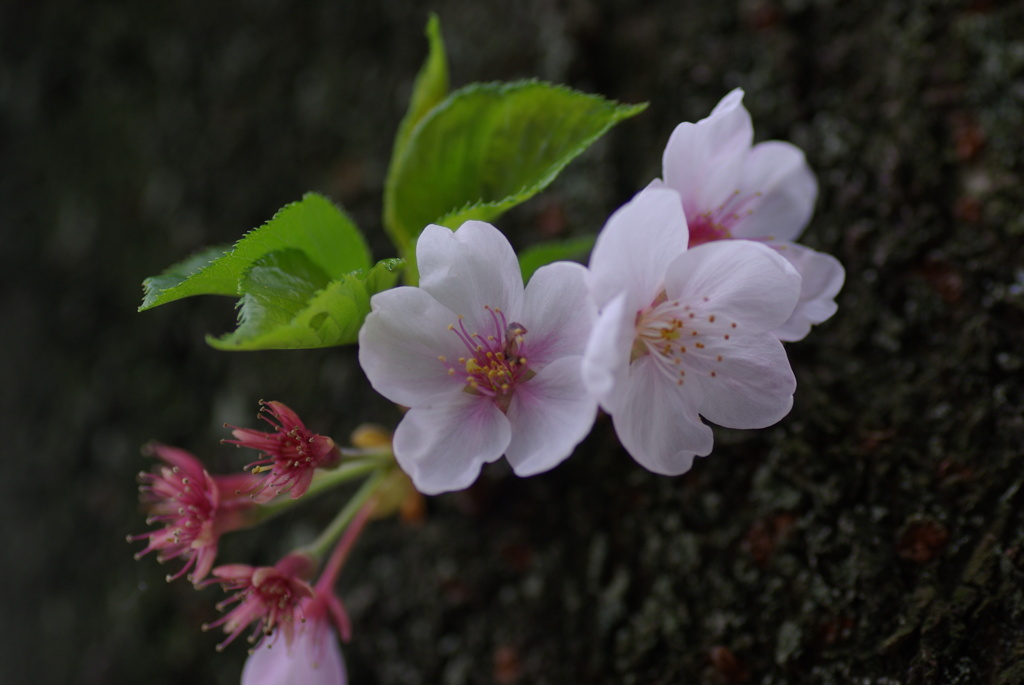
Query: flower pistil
677, 335
496, 363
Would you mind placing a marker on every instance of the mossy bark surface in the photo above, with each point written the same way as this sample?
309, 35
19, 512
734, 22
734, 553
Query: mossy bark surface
875, 535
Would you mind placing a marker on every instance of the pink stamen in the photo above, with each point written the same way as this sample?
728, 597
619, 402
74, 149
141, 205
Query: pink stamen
495, 363
194, 509
270, 597
717, 224
291, 453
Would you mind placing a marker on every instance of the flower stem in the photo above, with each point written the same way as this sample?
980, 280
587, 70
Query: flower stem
329, 575
322, 481
322, 545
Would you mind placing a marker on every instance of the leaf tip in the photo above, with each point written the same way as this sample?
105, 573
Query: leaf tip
433, 30
627, 110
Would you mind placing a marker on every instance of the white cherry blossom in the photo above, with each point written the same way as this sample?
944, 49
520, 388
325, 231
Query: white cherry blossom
685, 333
765, 192
486, 367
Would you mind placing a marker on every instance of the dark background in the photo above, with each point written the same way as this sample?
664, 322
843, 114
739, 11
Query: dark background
873, 536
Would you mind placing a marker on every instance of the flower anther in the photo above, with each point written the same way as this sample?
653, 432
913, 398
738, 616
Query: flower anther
495, 362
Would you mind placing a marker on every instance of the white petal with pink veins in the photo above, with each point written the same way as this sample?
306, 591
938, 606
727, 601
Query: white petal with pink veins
822, 278
469, 269
635, 247
560, 312
400, 342
783, 191
658, 421
746, 381
313, 658
550, 415
606, 359
443, 444
702, 160
735, 281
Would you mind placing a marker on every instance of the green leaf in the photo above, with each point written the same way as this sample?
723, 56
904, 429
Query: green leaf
312, 225
384, 275
537, 256
487, 148
289, 303
430, 88
176, 274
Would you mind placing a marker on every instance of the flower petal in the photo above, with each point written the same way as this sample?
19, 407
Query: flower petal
313, 658
400, 342
557, 312
469, 269
739, 280
443, 443
751, 386
550, 414
635, 247
658, 421
180, 459
778, 174
702, 161
822, 278
605, 365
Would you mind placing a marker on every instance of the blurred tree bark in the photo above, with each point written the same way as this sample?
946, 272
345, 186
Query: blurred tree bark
875, 535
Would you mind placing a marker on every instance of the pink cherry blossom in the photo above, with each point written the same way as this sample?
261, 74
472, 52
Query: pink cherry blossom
268, 597
313, 658
487, 367
685, 333
195, 509
291, 454
312, 655
765, 192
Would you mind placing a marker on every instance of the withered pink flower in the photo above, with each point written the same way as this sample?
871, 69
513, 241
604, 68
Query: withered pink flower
194, 507
313, 657
271, 597
291, 453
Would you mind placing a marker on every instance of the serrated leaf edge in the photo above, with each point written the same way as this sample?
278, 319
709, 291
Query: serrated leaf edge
392, 264
166, 295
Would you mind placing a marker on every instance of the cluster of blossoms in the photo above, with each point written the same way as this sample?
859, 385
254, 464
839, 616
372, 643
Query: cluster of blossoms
294, 625
678, 320
690, 290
